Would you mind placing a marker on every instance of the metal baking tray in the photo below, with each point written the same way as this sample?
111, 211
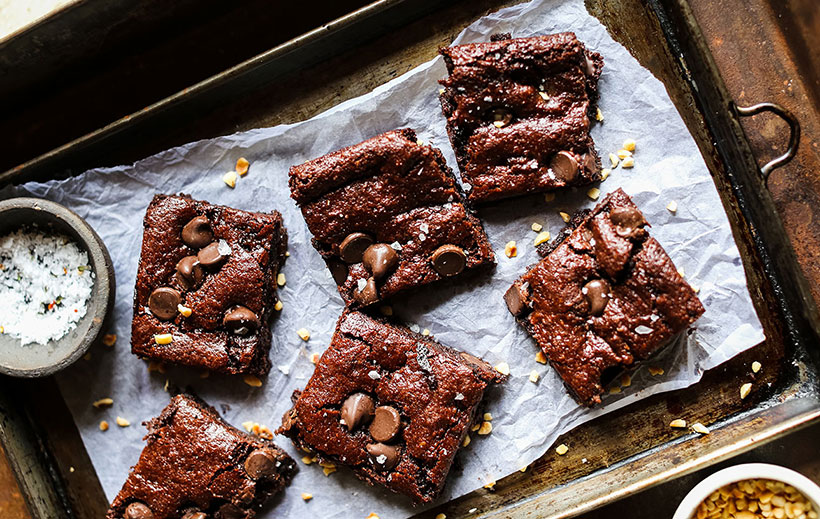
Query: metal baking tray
613, 456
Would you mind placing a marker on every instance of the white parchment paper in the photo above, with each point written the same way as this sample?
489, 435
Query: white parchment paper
470, 315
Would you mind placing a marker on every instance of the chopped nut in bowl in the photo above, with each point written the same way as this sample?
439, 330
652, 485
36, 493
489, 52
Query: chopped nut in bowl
750, 491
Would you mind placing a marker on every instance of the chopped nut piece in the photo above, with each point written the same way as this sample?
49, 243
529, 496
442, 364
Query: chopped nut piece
511, 250
103, 425
544, 96
425, 332
157, 366
613, 159
163, 338
122, 422
307, 460
534, 376
756, 366
503, 368
441, 516
672, 207
622, 154
485, 428
594, 193
629, 145
655, 370
306, 496
628, 162
700, 428
682, 272
605, 174
329, 470
561, 449
626, 380
540, 357
745, 389
490, 485
549, 197
314, 357
523, 469
184, 310
109, 339
280, 279
103, 402
242, 166
543, 237
678, 424
252, 381
599, 115
278, 306
475, 427
303, 334
386, 310
614, 390
488, 417
564, 216
499, 124
466, 441
87, 356
230, 179
327, 464
536, 227
372, 515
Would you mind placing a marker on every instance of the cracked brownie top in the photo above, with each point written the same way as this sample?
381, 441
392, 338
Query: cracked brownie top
605, 295
391, 404
518, 114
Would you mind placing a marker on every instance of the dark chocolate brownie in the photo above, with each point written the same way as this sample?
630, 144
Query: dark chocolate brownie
387, 215
197, 466
604, 296
518, 114
207, 281
391, 404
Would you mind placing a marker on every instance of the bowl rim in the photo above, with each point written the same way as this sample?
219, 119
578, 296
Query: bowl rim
103, 269
688, 506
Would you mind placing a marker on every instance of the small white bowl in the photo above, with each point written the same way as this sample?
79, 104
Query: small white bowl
689, 505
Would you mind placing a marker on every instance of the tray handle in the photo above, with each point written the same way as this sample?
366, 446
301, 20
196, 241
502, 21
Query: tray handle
794, 132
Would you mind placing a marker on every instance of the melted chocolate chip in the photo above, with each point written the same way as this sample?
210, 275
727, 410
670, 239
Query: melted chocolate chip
352, 248
449, 260
197, 233
597, 294
591, 164
384, 457
214, 254
517, 298
386, 424
357, 409
564, 166
260, 463
163, 302
367, 295
189, 272
626, 220
240, 320
195, 514
137, 510
380, 259
338, 270
501, 117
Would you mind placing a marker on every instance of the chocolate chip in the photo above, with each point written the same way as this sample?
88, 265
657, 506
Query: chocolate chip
449, 260
517, 298
352, 248
214, 254
501, 117
357, 409
597, 293
163, 302
384, 457
137, 510
564, 166
195, 514
197, 233
368, 294
380, 259
386, 423
338, 270
626, 220
189, 272
230, 511
260, 463
240, 320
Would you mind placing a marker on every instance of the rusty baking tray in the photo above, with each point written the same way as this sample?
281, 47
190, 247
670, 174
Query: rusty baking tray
615, 455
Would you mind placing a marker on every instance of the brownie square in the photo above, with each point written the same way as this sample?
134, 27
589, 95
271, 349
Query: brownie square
197, 466
605, 296
518, 114
387, 215
391, 404
206, 285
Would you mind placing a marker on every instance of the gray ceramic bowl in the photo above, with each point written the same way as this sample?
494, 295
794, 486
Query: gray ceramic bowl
35, 360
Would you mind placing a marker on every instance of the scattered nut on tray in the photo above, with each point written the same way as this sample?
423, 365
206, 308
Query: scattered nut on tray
756, 498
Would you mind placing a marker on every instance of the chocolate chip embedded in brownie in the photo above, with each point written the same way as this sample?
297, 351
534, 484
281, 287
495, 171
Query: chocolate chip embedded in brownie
518, 114
605, 296
391, 404
386, 215
196, 466
206, 285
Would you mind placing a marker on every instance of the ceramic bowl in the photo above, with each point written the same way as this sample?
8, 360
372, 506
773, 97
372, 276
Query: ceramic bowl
35, 360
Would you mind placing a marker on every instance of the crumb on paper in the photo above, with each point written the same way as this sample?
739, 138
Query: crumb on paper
561, 449
252, 381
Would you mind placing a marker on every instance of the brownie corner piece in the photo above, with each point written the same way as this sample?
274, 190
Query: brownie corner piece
206, 285
387, 215
518, 114
391, 404
604, 297
195, 465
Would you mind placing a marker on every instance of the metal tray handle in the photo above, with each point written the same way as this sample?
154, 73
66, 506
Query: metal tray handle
794, 136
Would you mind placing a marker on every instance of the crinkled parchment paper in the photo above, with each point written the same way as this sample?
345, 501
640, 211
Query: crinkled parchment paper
469, 315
